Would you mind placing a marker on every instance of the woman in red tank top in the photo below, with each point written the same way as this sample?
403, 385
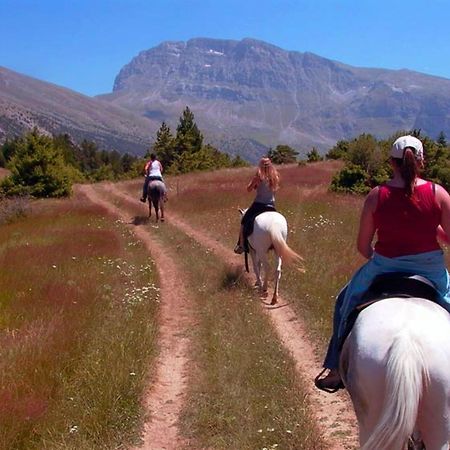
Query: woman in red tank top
408, 214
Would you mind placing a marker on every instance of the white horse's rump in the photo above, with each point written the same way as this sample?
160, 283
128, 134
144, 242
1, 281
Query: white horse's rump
396, 367
270, 230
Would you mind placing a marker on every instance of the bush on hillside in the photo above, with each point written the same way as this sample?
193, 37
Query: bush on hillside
37, 169
313, 155
368, 159
351, 179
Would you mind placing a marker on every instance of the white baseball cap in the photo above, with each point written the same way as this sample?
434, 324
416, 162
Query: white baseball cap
398, 147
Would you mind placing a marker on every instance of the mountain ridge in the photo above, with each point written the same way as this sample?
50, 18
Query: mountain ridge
27, 102
247, 96
260, 91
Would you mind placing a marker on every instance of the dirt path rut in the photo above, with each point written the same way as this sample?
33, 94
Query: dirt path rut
166, 392
334, 413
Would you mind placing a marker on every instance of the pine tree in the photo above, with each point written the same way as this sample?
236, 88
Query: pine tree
164, 146
283, 154
188, 138
441, 140
38, 168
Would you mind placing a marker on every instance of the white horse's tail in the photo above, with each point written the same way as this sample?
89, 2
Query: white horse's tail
406, 374
283, 250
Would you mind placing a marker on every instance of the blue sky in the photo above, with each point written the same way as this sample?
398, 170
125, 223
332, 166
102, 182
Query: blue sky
82, 44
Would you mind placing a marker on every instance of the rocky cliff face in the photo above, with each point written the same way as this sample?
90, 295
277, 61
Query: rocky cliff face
251, 89
26, 103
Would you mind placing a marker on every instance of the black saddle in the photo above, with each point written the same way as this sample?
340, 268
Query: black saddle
389, 285
400, 285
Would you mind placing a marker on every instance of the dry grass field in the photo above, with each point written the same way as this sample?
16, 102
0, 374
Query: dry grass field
75, 287
80, 316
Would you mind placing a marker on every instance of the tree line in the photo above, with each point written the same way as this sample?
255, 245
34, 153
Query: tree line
48, 166
367, 161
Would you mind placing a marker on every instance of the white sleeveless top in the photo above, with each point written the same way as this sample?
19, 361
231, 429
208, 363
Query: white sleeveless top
154, 169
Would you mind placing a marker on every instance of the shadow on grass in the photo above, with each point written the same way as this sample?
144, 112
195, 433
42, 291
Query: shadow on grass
140, 220
234, 277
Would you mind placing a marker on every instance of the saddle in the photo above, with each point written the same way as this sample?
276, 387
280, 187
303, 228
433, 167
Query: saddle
397, 284
249, 221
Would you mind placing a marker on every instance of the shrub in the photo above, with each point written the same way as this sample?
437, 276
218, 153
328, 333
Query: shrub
37, 169
351, 179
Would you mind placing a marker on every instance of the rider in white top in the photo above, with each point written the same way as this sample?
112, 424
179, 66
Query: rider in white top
153, 171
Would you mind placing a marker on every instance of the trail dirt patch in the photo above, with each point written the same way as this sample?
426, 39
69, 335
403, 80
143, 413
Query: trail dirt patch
168, 383
334, 413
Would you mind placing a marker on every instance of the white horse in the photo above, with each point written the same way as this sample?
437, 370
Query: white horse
396, 367
269, 232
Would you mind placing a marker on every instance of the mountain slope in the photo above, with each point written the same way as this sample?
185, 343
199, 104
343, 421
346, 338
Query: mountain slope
251, 89
26, 102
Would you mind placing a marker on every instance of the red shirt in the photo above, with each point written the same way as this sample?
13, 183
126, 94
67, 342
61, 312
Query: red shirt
406, 226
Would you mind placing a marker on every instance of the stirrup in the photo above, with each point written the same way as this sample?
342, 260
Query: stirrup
331, 389
238, 249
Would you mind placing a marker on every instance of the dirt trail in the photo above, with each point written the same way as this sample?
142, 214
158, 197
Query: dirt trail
334, 413
166, 393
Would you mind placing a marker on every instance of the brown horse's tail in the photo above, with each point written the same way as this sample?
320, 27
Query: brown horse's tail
282, 249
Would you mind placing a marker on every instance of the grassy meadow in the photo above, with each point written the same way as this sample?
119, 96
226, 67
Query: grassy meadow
243, 392
322, 228
78, 306
79, 301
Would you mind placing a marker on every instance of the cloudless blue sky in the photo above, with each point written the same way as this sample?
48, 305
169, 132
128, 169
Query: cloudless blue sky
82, 44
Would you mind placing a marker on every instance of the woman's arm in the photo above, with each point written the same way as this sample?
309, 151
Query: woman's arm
443, 200
366, 225
253, 183
442, 235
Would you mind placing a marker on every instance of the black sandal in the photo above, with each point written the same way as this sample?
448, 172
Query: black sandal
325, 386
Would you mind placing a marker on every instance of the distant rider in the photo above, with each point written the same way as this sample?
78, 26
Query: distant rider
266, 182
153, 171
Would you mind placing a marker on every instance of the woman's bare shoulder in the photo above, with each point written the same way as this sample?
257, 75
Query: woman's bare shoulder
372, 198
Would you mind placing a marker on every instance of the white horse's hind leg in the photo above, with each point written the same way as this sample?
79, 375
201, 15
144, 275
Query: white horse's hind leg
266, 266
256, 268
277, 281
434, 423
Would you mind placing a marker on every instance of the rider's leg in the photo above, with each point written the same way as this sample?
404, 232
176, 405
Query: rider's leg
333, 379
145, 190
240, 244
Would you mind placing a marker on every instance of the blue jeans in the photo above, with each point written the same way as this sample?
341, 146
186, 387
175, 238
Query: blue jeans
430, 265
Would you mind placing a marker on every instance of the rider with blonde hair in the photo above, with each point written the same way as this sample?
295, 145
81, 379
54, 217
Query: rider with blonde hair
266, 182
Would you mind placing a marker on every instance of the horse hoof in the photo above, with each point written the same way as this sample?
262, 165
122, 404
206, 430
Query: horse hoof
274, 301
